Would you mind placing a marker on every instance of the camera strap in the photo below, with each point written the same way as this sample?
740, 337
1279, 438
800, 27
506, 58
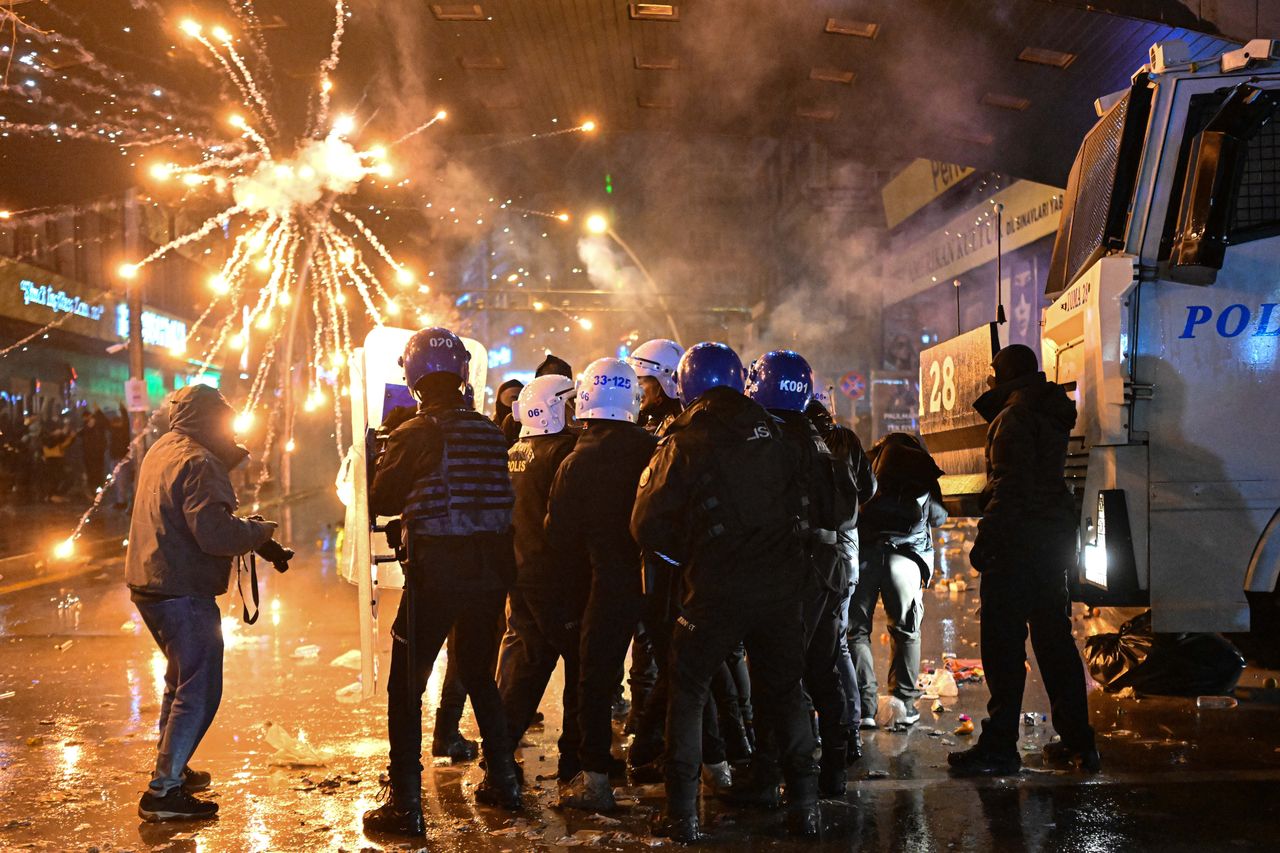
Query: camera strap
252, 560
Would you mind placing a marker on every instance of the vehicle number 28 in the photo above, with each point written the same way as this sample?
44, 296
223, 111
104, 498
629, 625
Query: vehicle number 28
942, 385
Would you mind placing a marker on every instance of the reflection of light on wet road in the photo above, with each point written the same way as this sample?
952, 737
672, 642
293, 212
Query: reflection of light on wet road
69, 758
275, 611
258, 837
949, 636
231, 632
135, 695
158, 667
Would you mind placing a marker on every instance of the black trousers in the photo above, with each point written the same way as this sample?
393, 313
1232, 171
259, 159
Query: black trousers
608, 624
452, 586
453, 695
547, 631
823, 625
650, 740
1028, 589
773, 634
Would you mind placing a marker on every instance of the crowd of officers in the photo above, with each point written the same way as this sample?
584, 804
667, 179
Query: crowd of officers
716, 521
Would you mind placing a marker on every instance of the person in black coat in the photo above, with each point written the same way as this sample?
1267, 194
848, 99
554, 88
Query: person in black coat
1026, 547
544, 610
589, 512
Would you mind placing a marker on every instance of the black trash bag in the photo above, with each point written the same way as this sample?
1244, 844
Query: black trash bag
1163, 664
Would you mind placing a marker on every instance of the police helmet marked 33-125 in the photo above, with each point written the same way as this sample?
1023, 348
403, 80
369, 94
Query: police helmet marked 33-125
705, 366
658, 358
540, 406
781, 379
434, 350
609, 390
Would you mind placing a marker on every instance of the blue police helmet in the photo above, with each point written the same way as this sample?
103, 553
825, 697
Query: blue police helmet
781, 379
434, 350
705, 366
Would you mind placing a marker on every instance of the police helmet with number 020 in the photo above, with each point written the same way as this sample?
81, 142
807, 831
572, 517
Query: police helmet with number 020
658, 358
609, 390
434, 350
781, 379
705, 366
540, 406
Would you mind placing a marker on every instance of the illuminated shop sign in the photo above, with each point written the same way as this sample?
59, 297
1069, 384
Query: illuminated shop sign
500, 356
58, 301
157, 329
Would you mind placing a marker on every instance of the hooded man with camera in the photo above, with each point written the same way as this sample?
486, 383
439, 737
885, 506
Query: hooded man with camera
182, 537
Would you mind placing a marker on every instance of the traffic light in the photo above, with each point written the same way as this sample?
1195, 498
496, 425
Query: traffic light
608, 184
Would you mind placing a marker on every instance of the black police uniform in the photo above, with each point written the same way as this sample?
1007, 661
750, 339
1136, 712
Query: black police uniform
591, 502
545, 608
722, 497
444, 471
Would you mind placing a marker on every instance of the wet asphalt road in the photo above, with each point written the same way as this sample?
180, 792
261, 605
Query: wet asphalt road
80, 683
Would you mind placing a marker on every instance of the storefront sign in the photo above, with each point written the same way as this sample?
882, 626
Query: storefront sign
1031, 211
158, 330
918, 184
57, 301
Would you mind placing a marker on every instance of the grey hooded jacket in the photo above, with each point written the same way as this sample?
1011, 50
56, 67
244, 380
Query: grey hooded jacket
183, 532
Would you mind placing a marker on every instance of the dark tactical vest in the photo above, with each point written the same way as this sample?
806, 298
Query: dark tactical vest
470, 491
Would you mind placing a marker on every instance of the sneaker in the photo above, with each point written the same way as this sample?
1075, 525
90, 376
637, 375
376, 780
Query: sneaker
1058, 753
868, 723
911, 717
717, 777
454, 747
978, 761
195, 780
589, 792
175, 805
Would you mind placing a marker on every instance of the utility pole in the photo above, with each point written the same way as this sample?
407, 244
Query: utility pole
138, 416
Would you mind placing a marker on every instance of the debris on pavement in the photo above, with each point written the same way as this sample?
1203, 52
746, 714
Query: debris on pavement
350, 659
966, 725
310, 650
292, 751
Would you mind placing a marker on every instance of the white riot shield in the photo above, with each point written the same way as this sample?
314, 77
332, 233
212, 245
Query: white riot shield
377, 386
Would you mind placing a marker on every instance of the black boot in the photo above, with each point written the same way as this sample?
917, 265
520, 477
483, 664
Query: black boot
804, 818
680, 822
853, 751
501, 784
453, 746
401, 814
758, 787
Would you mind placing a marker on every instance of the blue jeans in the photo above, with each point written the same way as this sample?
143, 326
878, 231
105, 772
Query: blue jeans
189, 632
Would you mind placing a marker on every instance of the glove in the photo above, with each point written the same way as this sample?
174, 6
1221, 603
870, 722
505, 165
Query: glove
275, 554
396, 417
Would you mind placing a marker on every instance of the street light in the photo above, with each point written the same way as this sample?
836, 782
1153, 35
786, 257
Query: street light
597, 224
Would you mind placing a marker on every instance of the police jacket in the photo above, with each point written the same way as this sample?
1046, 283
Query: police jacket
444, 472
532, 463
656, 418
832, 495
183, 532
589, 512
722, 498
1030, 422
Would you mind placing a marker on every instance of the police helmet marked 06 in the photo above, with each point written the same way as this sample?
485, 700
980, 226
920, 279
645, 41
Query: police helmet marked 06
658, 358
434, 350
705, 366
781, 379
540, 406
609, 390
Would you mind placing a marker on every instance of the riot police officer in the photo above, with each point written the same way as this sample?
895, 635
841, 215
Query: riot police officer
444, 473
590, 510
723, 498
782, 382
655, 362
844, 443
545, 606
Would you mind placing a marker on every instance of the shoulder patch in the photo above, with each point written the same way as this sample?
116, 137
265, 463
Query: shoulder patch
644, 476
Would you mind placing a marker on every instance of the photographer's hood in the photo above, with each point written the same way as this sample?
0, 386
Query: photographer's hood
202, 414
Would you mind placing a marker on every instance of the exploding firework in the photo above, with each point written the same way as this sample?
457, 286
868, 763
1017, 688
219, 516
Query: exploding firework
297, 249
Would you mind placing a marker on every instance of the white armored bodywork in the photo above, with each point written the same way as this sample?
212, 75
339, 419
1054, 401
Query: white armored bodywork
1178, 386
